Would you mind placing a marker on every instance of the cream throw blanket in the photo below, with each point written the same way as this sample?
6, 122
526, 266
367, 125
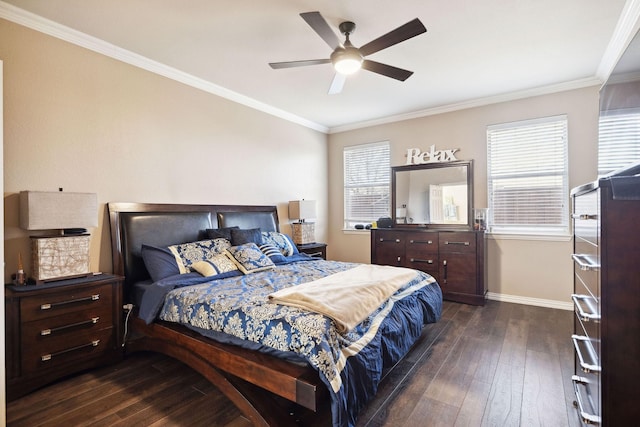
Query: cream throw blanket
347, 297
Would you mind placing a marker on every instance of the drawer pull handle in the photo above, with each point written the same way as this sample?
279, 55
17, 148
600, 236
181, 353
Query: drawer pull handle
584, 216
591, 365
91, 321
586, 308
584, 263
50, 356
583, 383
421, 242
49, 306
428, 261
382, 240
444, 278
446, 242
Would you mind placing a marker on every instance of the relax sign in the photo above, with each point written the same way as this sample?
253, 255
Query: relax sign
416, 157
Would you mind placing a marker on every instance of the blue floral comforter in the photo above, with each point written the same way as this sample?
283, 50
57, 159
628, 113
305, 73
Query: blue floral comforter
351, 364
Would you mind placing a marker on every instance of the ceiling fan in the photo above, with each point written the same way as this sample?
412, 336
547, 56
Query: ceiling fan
346, 58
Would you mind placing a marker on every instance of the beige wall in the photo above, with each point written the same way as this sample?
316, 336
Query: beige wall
518, 268
79, 120
85, 122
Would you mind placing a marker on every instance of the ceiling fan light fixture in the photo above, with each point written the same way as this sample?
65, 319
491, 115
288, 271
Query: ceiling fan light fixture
346, 60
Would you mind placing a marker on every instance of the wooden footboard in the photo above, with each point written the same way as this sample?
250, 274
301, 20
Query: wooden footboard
267, 390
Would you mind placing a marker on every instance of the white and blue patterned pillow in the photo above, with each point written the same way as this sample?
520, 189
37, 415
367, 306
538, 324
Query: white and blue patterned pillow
187, 254
214, 266
273, 253
280, 241
249, 258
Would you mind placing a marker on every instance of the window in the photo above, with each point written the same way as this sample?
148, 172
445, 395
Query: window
618, 140
367, 178
527, 176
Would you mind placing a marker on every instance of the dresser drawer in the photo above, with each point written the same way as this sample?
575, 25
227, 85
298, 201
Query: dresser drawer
56, 304
586, 283
79, 346
422, 243
422, 252
587, 392
457, 242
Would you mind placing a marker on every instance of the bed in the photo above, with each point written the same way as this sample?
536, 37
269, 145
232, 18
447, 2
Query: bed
280, 364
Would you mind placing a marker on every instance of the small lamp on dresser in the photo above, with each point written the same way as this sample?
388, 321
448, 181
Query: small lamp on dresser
301, 210
63, 253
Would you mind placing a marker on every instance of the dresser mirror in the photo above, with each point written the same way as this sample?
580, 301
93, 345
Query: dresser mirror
433, 195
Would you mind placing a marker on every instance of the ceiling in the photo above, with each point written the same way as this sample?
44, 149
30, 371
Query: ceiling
473, 51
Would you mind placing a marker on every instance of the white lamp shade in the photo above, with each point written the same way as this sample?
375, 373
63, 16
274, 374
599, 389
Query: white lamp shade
49, 210
302, 209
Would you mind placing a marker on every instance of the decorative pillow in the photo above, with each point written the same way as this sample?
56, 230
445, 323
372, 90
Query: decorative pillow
281, 241
249, 258
220, 233
160, 262
240, 237
214, 266
187, 254
273, 253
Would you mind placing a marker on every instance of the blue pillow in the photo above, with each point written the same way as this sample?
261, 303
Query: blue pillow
160, 262
220, 233
240, 237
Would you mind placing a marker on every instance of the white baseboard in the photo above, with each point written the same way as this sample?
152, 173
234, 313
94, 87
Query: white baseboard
539, 302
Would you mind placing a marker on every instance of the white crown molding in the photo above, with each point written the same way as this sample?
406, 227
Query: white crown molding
538, 302
625, 30
46, 26
479, 102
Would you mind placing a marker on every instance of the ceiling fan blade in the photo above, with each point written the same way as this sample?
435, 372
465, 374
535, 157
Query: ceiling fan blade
320, 26
337, 84
291, 64
400, 34
386, 70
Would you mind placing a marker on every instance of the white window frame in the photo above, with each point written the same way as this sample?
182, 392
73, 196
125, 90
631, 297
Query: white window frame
364, 171
618, 139
532, 153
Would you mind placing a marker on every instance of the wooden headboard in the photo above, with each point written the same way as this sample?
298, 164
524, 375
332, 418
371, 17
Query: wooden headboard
133, 224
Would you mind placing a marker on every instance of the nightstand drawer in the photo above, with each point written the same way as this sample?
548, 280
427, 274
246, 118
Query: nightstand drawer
79, 346
56, 304
66, 327
316, 250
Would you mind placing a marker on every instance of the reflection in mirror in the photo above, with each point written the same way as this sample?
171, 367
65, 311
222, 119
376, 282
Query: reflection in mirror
433, 194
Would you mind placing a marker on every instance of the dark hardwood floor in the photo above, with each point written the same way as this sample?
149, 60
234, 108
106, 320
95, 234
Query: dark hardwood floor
498, 365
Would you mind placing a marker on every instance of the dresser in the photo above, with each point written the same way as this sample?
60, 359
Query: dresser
606, 299
60, 328
455, 258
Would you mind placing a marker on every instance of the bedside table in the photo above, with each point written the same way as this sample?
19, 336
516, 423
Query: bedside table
60, 328
317, 250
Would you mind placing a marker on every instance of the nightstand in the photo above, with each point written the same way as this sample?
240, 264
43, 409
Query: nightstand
318, 250
60, 328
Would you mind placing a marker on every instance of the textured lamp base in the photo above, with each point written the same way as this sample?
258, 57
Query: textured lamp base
303, 232
56, 258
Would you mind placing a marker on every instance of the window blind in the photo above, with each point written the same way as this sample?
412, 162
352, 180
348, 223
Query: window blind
618, 140
528, 177
367, 177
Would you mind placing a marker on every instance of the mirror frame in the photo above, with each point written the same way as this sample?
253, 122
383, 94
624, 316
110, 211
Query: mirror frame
407, 168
